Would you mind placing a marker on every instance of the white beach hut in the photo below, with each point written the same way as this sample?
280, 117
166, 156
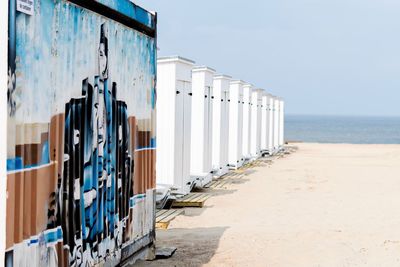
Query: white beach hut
235, 158
201, 144
247, 96
276, 123
256, 122
281, 123
174, 101
220, 141
271, 118
264, 123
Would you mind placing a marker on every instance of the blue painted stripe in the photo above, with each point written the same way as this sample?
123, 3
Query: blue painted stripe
133, 200
153, 142
15, 164
49, 236
131, 10
33, 241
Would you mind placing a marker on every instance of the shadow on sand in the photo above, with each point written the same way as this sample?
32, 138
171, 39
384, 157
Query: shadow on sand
195, 246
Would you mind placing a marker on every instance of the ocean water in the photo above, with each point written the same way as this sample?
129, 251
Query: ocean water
342, 129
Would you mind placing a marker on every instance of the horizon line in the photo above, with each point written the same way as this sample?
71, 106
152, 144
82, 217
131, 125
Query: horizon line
342, 115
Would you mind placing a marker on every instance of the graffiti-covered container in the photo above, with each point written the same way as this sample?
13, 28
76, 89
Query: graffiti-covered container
80, 133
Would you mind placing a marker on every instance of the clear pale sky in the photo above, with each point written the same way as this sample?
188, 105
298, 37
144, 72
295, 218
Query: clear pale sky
337, 57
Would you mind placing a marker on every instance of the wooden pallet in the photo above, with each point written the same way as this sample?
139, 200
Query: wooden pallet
193, 200
252, 164
257, 163
164, 217
219, 184
239, 171
236, 175
243, 168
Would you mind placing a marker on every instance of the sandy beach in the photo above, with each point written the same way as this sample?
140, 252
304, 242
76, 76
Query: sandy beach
324, 205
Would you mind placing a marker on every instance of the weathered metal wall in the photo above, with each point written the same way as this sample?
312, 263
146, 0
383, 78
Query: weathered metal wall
3, 118
80, 133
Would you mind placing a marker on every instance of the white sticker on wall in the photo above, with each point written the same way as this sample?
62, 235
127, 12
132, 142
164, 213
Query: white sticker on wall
25, 6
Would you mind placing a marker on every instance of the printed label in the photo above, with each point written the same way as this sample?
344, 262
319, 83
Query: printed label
25, 6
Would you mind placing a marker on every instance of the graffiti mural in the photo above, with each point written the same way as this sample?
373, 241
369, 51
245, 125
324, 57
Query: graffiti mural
81, 136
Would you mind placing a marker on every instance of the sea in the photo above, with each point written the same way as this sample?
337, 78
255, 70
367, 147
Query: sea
342, 129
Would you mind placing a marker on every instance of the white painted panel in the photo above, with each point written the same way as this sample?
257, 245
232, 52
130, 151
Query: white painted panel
276, 124
247, 95
187, 135
236, 158
255, 136
225, 130
179, 179
217, 125
220, 125
166, 104
264, 122
282, 123
201, 144
270, 124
